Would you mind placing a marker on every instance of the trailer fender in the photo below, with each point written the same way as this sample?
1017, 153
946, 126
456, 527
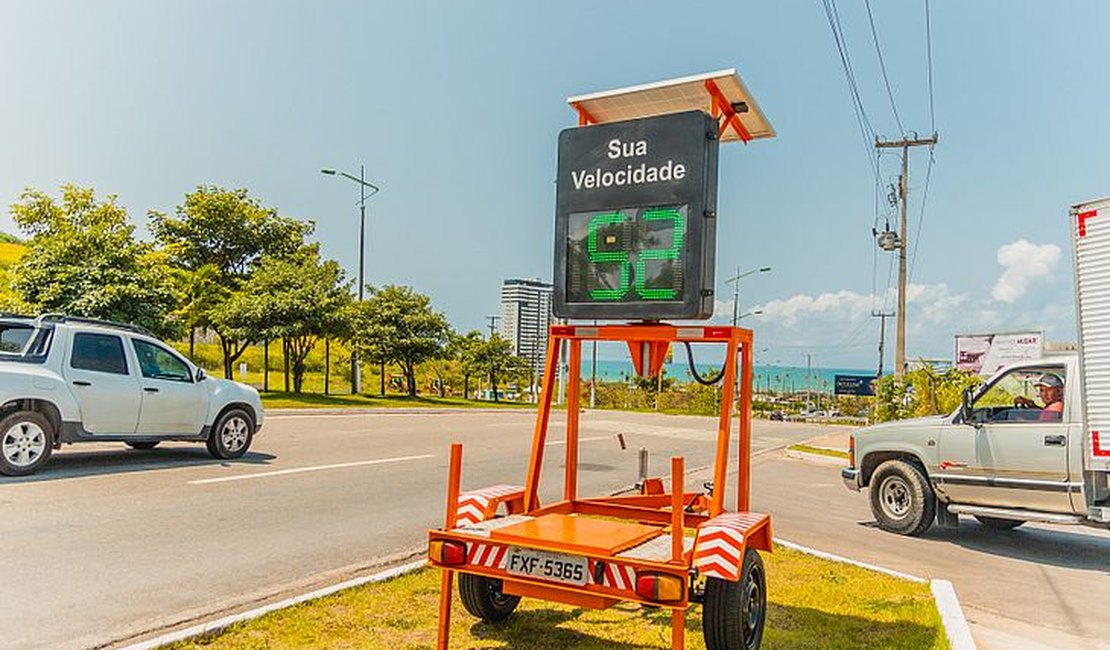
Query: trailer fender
479, 505
721, 541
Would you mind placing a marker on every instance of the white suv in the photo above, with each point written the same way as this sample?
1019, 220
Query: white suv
65, 379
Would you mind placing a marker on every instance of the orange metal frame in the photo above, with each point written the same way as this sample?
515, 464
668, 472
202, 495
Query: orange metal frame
676, 511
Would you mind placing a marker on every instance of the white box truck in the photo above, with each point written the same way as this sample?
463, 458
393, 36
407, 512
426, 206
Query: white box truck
1031, 444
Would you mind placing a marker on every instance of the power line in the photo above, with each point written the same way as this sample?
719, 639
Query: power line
921, 215
882, 66
862, 120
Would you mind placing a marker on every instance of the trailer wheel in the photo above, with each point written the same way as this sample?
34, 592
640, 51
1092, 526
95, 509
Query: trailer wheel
734, 612
482, 597
997, 523
901, 498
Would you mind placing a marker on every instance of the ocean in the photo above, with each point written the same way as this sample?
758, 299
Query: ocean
766, 378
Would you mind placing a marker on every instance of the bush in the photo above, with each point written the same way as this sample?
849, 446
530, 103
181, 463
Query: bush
922, 392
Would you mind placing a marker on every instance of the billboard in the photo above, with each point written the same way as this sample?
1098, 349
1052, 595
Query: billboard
854, 385
986, 353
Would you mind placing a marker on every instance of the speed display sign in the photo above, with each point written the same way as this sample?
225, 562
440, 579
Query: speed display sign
635, 228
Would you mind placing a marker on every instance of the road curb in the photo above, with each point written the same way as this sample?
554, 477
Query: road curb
227, 621
944, 595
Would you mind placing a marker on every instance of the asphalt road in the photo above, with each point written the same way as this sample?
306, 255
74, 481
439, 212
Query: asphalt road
108, 543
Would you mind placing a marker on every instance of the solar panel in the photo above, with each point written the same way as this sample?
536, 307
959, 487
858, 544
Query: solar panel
720, 93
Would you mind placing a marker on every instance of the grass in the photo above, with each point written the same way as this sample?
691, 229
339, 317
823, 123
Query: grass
277, 400
820, 451
813, 604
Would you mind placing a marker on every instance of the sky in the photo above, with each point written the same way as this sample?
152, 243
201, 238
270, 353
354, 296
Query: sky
454, 109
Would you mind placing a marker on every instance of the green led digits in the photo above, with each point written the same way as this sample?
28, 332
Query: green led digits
670, 253
599, 222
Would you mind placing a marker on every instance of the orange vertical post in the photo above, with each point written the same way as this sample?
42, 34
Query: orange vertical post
720, 468
744, 479
454, 473
678, 527
539, 435
574, 387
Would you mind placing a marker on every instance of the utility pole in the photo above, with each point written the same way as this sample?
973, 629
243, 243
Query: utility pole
904, 144
882, 336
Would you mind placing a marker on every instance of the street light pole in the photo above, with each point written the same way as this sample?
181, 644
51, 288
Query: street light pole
736, 316
356, 370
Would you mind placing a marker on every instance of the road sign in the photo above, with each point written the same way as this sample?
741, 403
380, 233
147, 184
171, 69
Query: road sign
635, 222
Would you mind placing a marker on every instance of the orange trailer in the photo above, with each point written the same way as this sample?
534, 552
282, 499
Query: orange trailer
658, 548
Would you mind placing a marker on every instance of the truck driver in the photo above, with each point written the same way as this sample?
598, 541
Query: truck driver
1051, 390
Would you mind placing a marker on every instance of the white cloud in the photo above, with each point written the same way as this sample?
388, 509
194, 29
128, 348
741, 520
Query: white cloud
1023, 262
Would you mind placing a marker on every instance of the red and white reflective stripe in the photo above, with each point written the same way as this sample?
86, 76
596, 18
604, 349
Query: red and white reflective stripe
490, 556
1082, 219
1097, 449
719, 550
473, 507
620, 577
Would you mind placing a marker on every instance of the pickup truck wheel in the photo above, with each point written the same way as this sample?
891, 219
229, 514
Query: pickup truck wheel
149, 444
231, 436
482, 597
902, 500
734, 612
26, 441
996, 523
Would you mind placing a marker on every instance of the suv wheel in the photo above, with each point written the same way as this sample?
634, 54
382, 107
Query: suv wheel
231, 436
901, 498
26, 441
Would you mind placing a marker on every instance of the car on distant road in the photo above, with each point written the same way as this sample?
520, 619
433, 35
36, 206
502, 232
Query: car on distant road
65, 379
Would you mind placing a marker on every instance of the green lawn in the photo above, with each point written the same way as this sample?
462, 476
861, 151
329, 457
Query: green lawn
813, 604
820, 451
277, 400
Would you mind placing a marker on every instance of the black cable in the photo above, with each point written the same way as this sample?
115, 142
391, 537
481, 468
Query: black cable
694, 370
882, 66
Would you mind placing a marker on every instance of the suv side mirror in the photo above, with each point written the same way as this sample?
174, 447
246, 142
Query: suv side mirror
966, 411
201, 375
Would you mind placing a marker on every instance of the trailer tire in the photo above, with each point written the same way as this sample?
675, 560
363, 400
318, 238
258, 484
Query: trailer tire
482, 597
901, 498
997, 523
734, 613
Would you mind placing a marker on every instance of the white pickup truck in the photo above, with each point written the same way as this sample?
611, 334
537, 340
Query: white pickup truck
66, 380
1032, 444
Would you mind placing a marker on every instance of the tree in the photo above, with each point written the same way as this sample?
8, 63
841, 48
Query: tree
464, 348
228, 232
299, 298
494, 358
83, 259
398, 324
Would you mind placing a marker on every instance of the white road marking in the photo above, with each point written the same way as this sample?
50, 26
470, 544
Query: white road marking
590, 439
300, 470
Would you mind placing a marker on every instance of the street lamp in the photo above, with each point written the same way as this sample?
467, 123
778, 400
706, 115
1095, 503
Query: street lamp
754, 312
735, 282
356, 375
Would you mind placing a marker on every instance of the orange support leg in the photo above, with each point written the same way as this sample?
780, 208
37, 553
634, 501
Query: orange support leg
744, 479
678, 483
446, 587
720, 469
574, 390
678, 629
539, 434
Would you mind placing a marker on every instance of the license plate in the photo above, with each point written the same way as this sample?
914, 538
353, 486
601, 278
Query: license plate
556, 567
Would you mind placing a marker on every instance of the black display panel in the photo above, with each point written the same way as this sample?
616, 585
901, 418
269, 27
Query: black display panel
635, 227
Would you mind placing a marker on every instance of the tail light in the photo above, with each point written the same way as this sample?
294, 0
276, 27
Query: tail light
852, 451
660, 588
447, 552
